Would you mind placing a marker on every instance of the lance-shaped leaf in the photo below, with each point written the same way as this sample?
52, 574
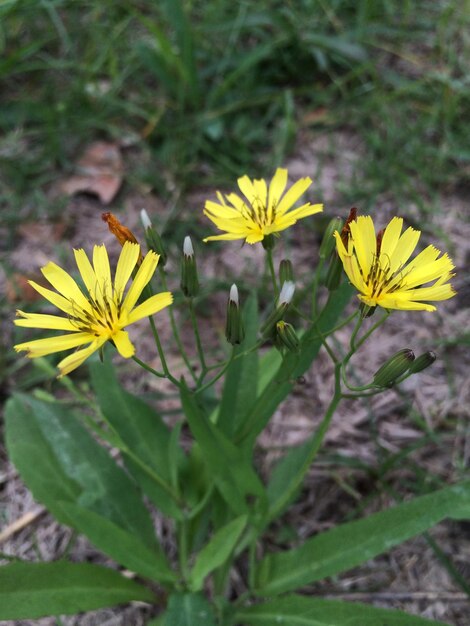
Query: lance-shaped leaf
304, 611
32, 590
350, 544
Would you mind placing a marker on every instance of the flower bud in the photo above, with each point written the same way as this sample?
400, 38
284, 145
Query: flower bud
422, 362
234, 329
283, 303
328, 242
189, 279
286, 271
287, 337
393, 368
153, 239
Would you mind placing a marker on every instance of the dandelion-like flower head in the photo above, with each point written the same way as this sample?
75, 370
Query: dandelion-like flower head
379, 266
262, 211
97, 314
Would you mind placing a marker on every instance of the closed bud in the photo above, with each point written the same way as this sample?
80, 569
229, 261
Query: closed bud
328, 242
287, 337
286, 271
234, 328
152, 238
189, 278
422, 362
391, 370
283, 303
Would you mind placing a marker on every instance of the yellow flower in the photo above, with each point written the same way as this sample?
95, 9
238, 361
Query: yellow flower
379, 269
97, 314
263, 211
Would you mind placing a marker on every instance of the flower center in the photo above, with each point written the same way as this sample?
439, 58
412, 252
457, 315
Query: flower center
102, 318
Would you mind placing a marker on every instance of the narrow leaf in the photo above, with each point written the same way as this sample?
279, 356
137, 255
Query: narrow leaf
305, 611
350, 544
215, 553
32, 590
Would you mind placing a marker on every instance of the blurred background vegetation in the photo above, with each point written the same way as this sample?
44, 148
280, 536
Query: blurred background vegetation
204, 91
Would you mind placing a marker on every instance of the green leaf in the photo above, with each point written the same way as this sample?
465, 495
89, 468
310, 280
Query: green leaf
32, 590
60, 462
350, 544
280, 381
305, 611
232, 471
241, 379
125, 548
217, 551
142, 432
189, 609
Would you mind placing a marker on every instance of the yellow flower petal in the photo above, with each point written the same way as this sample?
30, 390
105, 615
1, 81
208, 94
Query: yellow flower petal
40, 320
103, 273
127, 261
86, 271
75, 359
151, 306
41, 347
65, 284
144, 274
124, 345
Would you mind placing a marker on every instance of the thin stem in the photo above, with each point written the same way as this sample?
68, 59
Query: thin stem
174, 329
183, 548
161, 354
269, 260
148, 368
218, 375
200, 350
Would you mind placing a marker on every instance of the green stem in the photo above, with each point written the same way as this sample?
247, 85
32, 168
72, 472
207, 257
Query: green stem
218, 375
269, 259
200, 350
174, 329
183, 548
148, 368
161, 354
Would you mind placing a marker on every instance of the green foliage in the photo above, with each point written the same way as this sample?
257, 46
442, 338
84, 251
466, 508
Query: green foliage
32, 590
353, 543
298, 610
188, 609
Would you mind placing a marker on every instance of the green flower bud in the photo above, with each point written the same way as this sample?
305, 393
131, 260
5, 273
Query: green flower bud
189, 279
152, 238
393, 368
234, 328
422, 362
283, 303
286, 271
287, 337
328, 242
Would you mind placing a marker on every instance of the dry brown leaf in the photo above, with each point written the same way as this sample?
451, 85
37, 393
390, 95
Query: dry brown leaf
99, 172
